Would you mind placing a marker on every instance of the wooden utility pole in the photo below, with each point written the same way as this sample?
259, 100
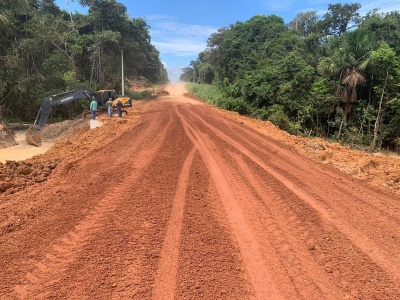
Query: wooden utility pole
122, 63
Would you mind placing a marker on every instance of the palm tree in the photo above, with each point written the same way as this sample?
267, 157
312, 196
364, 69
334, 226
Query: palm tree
7, 8
348, 94
350, 57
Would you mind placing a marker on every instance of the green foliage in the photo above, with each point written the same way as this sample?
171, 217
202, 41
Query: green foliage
276, 115
337, 19
70, 80
49, 52
386, 26
392, 138
209, 93
313, 76
238, 105
142, 95
384, 57
243, 45
305, 23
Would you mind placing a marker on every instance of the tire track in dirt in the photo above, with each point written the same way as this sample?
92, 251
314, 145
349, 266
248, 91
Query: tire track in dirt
274, 239
286, 236
370, 202
131, 241
292, 168
326, 176
264, 144
326, 214
165, 280
66, 250
210, 263
152, 200
261, 280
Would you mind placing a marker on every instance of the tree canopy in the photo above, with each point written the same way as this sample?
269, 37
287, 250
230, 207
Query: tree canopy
50, 51
334, 75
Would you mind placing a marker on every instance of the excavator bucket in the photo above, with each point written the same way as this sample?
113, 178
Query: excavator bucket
33, 136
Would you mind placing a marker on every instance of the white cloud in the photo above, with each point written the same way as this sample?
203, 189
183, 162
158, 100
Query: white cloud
180, 47
384, 6
273, 5
177, 38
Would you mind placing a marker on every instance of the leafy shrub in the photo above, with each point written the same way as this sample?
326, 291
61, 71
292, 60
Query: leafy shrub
143, 95
237, 105
277, 116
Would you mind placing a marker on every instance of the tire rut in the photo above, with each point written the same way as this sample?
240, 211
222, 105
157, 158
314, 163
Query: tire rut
261, 281
43, 280
327, 215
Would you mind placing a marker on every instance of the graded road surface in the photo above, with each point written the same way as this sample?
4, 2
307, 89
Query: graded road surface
187, 204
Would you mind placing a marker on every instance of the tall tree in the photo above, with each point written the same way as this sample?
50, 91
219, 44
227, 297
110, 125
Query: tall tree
349, 57
385, 26
385, 62
340, 18
305, 23
8, 8
243, 45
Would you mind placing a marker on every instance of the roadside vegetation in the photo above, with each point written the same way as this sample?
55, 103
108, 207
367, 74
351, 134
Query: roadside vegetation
45, 50
335, 76
140, 95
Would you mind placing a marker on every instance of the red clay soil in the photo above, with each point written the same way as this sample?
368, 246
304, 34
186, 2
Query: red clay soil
180, 200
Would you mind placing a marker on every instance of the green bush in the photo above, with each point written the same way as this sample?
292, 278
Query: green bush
277, 116
237, 105
143, 95
208, 93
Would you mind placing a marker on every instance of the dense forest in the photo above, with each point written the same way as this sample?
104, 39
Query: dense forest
334, 76
45, 50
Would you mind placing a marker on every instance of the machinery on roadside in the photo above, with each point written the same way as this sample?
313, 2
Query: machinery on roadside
34, 133
102, 97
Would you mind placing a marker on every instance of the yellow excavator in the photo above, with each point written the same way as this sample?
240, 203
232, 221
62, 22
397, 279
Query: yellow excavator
34, 133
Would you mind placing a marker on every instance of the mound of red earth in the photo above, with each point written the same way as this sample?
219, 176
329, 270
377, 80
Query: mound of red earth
378, 169
73, 138
7, 137
15, 175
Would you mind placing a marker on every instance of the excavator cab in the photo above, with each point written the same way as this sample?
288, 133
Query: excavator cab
104, 95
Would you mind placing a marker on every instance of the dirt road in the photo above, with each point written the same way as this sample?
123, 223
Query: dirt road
184, 203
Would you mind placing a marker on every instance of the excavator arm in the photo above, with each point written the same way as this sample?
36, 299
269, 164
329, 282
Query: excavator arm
34, 135
59, 99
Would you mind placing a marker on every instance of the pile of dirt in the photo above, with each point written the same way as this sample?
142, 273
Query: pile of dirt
7, 137
58, 130
15, 175
377, 169
161, 92
73, 139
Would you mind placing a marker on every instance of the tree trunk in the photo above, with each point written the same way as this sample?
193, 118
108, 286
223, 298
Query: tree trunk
378, 117
343, 122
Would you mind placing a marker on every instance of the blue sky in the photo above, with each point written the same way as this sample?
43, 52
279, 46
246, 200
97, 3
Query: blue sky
180, 28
